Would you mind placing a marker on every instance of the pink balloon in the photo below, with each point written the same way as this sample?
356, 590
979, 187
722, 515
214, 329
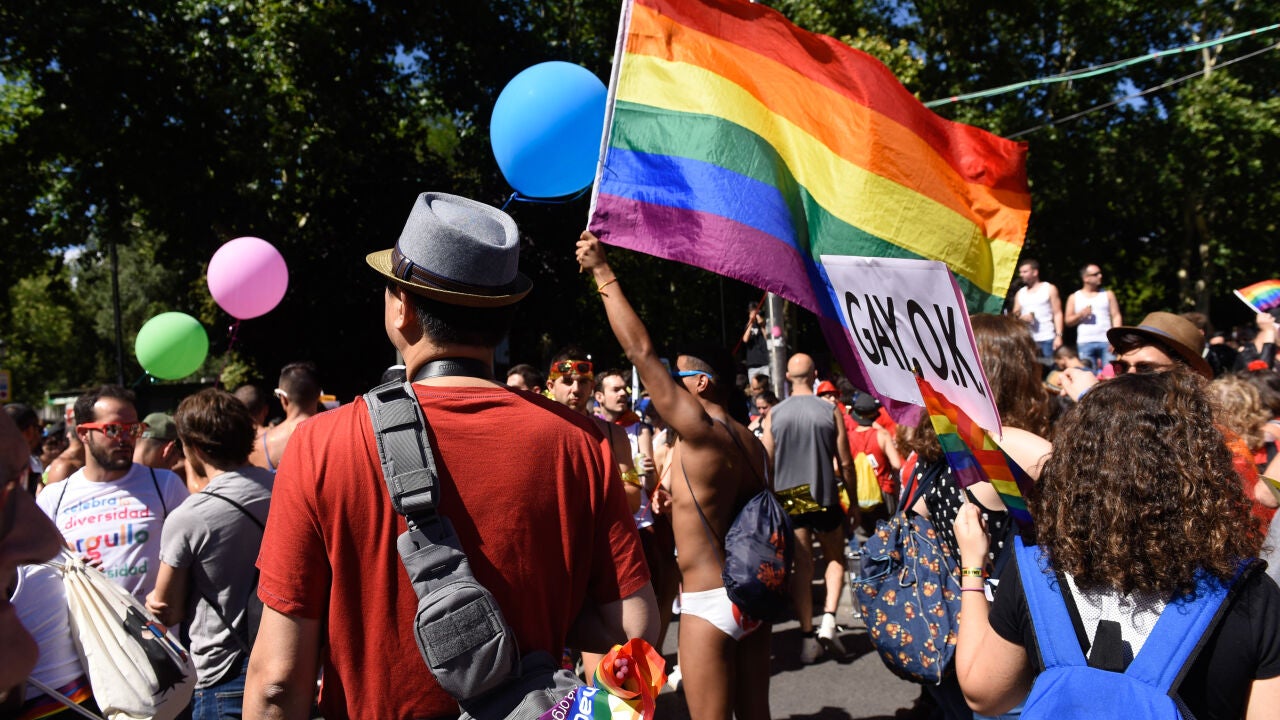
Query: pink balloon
247, 277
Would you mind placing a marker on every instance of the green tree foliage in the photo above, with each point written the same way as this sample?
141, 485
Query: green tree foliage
168, 128
1168, 191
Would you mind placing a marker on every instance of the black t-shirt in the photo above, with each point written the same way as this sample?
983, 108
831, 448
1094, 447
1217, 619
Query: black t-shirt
1245, 644
944, 498
757, 348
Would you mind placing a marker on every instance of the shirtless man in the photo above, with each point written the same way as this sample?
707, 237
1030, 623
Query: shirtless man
71, 459
724, 656
256, 402
299, 394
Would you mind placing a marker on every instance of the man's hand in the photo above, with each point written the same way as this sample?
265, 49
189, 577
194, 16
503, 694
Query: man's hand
661, 504
1075, 381
157, 608
589, 253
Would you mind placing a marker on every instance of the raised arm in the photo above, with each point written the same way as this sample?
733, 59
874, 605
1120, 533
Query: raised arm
680, 409
751, 320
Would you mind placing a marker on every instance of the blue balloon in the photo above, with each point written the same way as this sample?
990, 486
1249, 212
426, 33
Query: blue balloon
546, 129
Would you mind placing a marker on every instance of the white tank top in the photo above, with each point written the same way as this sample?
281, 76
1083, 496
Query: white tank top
1093, 329
1037, 303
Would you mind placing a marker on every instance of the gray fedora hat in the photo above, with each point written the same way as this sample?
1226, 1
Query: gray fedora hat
458, 251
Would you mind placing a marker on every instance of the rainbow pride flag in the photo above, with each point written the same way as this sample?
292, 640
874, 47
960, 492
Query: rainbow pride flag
1261, 296
741, 144
974, 456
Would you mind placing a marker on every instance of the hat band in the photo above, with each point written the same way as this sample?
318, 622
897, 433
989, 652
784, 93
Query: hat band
409, 271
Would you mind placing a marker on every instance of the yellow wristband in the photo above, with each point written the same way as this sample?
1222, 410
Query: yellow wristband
600, 288
632, 477
972, 572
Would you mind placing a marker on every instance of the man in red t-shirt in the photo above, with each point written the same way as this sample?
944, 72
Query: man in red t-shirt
543, 521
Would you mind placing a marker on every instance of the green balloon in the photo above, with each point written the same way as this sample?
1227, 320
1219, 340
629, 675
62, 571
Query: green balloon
171, 345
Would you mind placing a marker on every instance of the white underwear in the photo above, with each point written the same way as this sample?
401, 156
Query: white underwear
715, 607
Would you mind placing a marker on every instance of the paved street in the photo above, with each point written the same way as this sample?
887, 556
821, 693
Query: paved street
859, 688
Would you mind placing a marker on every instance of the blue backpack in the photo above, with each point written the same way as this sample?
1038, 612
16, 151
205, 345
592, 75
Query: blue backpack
1070, 688
758, 550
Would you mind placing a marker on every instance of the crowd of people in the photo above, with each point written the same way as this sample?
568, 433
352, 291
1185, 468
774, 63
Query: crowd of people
591, 519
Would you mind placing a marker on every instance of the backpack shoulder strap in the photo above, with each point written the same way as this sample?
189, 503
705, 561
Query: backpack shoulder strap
404, 449
1055, 634
1180, 631
706, 524
243, 510
61, 496
163, 506
915, 491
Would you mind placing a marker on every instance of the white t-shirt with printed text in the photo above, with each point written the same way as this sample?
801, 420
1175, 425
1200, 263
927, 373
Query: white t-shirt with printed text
117, 522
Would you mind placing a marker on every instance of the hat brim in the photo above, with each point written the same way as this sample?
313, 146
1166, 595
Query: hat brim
508, 294
1195, 361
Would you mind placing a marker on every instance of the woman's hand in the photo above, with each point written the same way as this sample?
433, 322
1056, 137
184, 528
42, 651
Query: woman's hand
971, 536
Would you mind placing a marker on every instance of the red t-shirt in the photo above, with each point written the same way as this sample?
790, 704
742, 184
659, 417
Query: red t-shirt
869, 442
533, 492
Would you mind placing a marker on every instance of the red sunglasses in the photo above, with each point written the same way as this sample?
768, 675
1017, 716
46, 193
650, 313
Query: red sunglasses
114, 430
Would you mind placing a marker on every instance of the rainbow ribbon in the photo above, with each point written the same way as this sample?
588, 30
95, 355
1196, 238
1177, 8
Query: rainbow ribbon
975, 457
632, 698
1261, 296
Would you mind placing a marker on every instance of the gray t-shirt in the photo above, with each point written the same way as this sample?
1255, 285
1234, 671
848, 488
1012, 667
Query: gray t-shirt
804, 440
220, 544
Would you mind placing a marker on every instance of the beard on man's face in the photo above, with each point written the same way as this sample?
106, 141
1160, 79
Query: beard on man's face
117, 458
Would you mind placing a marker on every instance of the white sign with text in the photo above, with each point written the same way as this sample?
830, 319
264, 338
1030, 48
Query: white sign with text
906, 312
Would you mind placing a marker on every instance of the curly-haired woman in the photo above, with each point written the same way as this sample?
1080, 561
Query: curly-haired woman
1139, 496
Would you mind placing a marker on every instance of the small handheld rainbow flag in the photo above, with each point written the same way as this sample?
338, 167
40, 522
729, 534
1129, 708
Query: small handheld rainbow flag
1261, 296
974, 456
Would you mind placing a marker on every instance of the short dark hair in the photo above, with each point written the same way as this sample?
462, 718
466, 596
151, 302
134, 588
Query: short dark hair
447, 324
1031, 263
1200, 320
252, 397
768, 397
717, 360
1084, 269
625, 376
217, 424
23, 416
85, 403
569, 352
301, 382
532, 378
1067, 351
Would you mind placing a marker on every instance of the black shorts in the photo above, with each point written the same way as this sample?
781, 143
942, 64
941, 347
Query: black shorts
824, 520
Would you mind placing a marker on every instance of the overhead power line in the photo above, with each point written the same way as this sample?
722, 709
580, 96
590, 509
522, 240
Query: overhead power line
1157, 88
1103, 69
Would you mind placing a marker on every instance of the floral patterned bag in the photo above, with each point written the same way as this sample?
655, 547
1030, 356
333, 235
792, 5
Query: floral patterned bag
909, 592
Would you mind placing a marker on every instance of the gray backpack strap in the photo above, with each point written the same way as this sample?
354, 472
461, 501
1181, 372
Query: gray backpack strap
408, 462
459, 628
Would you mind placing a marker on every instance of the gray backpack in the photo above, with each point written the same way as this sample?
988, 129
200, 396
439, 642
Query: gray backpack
459, 628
